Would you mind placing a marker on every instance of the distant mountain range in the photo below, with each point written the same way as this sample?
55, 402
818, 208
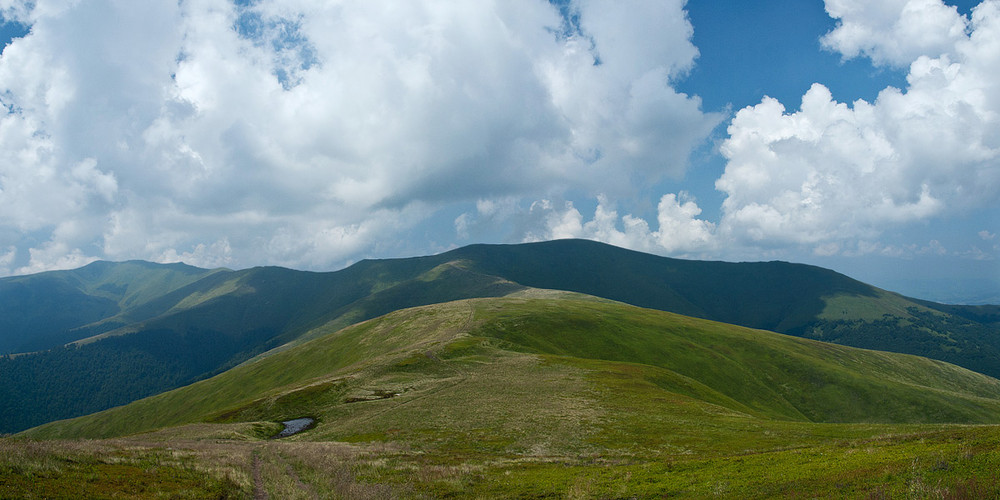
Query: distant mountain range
110, 333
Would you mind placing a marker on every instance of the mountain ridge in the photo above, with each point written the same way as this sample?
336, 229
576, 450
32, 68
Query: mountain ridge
74, 302
196, 328
758, 374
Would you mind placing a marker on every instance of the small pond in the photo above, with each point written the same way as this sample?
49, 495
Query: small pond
295, 426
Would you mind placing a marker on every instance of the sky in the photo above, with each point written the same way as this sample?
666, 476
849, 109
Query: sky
859, 136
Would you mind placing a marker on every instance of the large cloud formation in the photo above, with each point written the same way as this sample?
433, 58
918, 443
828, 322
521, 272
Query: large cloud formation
832, 172
301, 132
306, 132
832, 177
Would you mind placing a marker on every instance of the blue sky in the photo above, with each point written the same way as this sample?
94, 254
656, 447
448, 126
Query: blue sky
859, 136
781, 56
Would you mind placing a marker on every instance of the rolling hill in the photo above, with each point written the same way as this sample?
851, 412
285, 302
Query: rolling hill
421, 357
525, 395
206, 327
138, 329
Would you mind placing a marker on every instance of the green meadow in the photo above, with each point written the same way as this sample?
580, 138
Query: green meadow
541, 394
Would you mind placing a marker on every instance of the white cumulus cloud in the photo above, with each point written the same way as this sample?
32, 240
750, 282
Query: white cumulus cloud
832, 177
833, 171
679, 232
305, 132
894, 32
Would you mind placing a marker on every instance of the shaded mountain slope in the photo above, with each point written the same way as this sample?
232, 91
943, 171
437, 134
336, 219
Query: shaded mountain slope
776, 296
563, 369
46, 310
986, 314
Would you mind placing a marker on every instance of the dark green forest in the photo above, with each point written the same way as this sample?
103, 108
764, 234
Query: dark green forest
72, 381
954, 339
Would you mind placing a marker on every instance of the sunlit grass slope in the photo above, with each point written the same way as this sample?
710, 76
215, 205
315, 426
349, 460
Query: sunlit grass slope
552, 372
790, 298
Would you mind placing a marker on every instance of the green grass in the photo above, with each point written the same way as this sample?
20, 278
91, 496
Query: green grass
773, 375
423, 353
556, 395
947, 462
327, 358
845, 306
943, 464
72, 470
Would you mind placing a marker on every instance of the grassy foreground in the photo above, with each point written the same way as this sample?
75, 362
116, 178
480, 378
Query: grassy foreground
961, 463
539, 395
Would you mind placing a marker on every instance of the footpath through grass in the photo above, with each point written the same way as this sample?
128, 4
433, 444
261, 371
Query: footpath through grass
948, 462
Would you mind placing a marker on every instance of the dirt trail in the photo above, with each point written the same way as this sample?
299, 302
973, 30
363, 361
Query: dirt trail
258, 480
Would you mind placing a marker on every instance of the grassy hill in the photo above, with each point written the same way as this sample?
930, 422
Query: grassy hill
539, 341
138, 329
208, 326
554, 394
